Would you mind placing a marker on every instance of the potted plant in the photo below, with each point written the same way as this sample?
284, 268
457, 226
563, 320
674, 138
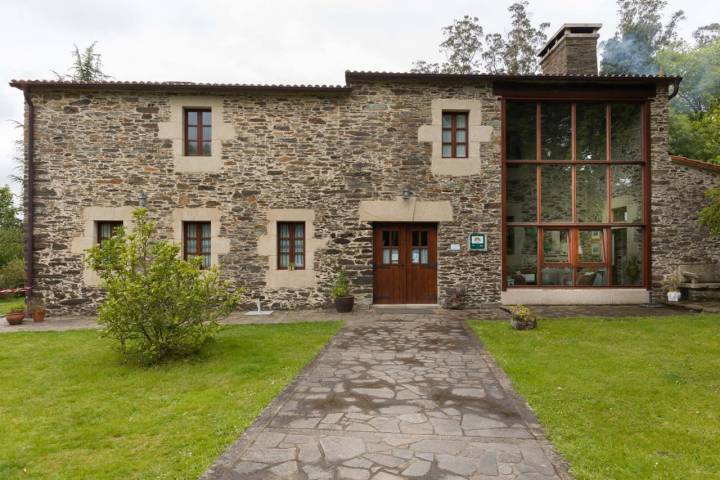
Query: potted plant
671, 285
341, 294
15, 316
522, 318
38, 313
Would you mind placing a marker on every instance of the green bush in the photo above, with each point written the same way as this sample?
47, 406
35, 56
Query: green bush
158, 306
341, 287
12, 275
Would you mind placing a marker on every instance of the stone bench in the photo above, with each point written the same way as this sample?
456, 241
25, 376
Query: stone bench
701, 281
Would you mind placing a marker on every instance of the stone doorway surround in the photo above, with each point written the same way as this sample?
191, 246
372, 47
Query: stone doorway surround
405, 396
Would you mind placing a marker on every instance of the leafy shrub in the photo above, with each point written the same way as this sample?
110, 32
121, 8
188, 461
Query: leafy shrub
341, 287
158, 306
12, 275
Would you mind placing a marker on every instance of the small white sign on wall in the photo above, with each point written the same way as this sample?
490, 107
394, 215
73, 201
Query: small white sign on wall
454, 247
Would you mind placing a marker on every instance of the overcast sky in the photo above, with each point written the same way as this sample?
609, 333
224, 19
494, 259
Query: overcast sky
254, 41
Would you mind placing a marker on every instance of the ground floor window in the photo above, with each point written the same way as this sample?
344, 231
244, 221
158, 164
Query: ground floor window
291, 245
107, 229
196, 241
581, 257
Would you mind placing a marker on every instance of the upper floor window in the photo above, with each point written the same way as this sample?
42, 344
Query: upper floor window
106, 229
454, 134
291, 245
196, 241
198, 132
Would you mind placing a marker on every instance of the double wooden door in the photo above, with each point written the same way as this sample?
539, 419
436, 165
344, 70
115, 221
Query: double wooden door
405, 263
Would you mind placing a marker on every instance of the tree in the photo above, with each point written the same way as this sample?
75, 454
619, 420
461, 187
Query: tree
11, 239
86, 66
466, 50
158, 306
639, 37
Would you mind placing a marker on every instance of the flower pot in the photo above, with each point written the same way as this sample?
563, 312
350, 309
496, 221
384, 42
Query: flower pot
38, 315
523, 324
673, 296
15, 318
344, 304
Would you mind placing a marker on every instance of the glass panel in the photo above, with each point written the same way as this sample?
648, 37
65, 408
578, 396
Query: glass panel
192, 148
521, 130
386, 256
192, 118
207, 118
192, 133
590, 131
626, 201
626, 131
207, 133
447, 121
447, 136
591, 276
460, 151
521, 193
299, 230
521, 258
460, 121
446, 150
206, 261
591, 193
627, 255
284, 246
557, 276
390, 239
391, 255
206, 246
424, 256
555, 246
461, 136
190, 230
415, 255
284, 229
284, 260
556, 193
299, 260
299, 246
206, 230
191, 246
590, 246
207, 148
555, 131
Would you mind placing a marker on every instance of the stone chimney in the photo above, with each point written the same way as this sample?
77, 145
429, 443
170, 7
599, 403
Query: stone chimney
572, 50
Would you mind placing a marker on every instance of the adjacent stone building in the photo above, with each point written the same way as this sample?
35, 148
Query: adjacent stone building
424, 188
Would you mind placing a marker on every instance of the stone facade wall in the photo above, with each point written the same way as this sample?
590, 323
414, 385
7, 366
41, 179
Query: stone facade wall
678, 194
325, 152
574, 54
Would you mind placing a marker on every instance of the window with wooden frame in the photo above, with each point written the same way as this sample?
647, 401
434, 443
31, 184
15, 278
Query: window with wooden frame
198, 132
106, 229
196, 241
575, 203
291, 246
454, 134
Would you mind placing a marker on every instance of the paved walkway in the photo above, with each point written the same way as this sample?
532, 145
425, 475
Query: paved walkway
402, 396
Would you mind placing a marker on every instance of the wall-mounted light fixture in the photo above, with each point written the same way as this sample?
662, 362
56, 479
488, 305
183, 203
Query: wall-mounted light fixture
142, 199
407, 193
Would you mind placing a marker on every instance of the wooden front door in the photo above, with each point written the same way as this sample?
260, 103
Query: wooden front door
405, 263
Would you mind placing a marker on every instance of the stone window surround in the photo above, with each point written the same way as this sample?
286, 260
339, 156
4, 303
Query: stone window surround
218, 245
90, 217
174, 130
267, 247
477, 133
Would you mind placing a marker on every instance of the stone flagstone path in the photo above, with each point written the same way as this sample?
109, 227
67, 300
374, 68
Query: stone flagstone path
405, 396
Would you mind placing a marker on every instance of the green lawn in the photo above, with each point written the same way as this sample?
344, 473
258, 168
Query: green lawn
621, 398
8, 303
70, 409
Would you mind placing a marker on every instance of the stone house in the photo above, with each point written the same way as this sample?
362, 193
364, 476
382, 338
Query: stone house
424, 188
